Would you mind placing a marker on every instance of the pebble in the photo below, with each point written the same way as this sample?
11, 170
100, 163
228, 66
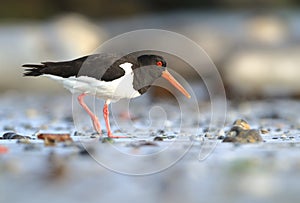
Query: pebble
221, 134
50, 139
264, 131
208, 135
157, 138
12, 135
171, 137
55, 136
23, 141
283, 136
76, 133
161, 138
161, 132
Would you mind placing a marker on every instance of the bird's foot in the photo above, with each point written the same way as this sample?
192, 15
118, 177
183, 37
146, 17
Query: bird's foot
110, 135
116, 136
110, 138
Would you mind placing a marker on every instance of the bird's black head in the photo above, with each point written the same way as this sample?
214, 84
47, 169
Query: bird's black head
148, 60
150, 68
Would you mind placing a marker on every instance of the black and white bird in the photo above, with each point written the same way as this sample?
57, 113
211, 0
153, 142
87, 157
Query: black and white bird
106, 76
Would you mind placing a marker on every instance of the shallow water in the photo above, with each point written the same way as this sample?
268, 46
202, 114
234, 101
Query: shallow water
185, 166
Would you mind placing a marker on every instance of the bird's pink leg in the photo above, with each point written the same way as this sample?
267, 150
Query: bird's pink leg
94, 118
106, 118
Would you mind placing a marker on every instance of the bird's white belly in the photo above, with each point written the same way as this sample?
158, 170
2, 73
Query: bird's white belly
112, 90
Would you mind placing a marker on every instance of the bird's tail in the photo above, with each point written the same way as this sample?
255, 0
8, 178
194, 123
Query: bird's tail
63, 69
33, 69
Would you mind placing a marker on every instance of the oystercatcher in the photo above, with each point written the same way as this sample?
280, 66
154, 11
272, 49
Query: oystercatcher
107, 76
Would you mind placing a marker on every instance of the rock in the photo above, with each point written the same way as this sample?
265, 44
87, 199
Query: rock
241, 123
238, 126
241, 133
233, 132
230, 139
245, 136
249, 136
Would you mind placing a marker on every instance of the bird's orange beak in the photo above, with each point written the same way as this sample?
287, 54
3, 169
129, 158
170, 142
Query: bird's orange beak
171, 79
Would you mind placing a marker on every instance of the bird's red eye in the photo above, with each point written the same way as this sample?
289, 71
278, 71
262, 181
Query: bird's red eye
159, 63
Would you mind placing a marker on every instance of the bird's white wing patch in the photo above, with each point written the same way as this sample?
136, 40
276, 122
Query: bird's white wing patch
126, 67
54, 77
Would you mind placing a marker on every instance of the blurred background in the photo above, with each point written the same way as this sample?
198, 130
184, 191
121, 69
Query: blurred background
255, 44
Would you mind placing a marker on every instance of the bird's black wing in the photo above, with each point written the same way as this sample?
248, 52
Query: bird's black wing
100, 66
